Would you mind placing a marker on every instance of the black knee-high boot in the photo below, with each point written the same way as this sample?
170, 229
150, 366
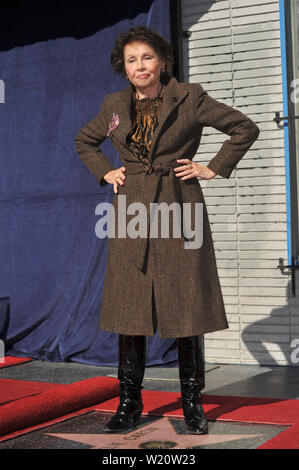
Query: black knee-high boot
192, 381
131, 367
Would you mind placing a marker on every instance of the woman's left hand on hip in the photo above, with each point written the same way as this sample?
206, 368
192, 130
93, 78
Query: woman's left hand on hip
192, 169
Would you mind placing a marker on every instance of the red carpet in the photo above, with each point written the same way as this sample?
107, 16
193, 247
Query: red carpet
57, 401
31, 405
225, 408
12, 361
11, 390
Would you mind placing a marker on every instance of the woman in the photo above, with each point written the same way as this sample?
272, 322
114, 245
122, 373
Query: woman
165, 283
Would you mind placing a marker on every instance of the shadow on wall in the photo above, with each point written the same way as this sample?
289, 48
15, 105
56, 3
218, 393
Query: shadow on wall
24, 23
276, 336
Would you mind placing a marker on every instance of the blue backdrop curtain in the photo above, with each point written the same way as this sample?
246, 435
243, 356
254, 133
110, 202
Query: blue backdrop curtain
55, 71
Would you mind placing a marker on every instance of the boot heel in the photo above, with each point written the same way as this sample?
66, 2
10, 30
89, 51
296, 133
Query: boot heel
136, 418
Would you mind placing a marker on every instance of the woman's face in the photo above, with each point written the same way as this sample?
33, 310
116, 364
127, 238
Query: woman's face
142, 64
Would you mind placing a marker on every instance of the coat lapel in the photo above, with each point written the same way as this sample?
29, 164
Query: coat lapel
123, 108
174, 94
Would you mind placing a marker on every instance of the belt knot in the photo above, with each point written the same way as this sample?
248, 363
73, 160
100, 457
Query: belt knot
163, 170
160, 169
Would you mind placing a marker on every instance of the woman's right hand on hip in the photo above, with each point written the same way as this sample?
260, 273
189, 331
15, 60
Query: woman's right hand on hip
116, 177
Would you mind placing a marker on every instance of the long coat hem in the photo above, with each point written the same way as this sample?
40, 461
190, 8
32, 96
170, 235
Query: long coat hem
187, 332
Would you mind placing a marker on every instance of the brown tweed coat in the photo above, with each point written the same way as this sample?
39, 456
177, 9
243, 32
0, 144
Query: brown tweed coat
182, 282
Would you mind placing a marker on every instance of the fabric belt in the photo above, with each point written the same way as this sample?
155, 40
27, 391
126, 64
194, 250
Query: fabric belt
155, 172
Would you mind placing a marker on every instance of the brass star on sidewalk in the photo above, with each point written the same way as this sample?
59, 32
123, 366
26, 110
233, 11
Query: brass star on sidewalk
156, 433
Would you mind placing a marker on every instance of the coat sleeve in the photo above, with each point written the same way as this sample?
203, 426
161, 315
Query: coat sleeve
87, 144
242, 130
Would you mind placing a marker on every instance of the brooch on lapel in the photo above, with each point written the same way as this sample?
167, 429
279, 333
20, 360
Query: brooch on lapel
113, 124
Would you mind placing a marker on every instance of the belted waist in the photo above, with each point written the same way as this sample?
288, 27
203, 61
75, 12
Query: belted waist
134, 168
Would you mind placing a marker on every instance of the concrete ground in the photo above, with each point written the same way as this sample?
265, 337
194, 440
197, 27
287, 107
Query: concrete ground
221, 379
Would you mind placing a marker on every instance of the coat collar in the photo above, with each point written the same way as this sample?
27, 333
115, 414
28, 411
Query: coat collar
173, 95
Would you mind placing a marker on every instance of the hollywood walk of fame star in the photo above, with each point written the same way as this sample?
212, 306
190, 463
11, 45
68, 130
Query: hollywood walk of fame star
157, 431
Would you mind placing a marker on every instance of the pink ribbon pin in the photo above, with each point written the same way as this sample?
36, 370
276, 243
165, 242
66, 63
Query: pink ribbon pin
113, 124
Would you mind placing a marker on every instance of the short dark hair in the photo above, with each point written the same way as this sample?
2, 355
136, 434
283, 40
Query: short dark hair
141, 33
